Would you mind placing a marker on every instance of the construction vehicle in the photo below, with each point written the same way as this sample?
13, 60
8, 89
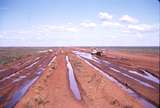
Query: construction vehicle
96, 52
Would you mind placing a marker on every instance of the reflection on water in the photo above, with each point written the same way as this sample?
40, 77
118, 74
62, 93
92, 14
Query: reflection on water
144, 102
87, 56
147, 75
19, 78
18, 94
72, 81
143, 83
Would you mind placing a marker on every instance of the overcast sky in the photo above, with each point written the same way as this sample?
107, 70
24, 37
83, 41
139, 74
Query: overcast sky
79, 22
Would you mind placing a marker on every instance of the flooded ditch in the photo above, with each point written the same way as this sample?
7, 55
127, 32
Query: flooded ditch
130, 91
25, 81
72, 81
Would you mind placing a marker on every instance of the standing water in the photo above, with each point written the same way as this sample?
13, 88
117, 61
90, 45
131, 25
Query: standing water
72, 81
144, 102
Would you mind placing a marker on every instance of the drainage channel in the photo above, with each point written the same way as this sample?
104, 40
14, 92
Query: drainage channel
24, 88
72, 81
130, 74
132, 93
52, 61
19, 94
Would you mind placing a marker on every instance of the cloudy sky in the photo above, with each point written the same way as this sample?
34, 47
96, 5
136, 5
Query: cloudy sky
79, 22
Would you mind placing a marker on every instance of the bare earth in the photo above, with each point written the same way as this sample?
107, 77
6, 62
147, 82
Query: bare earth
99, 92
52, 89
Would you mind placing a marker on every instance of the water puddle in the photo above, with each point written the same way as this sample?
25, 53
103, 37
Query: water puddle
107, 62
37, 58
52, 61
143, 83
39, 71
144, 102
19, 78
19, 94
87, 56
23, 89
83, 54
90, 57
147, 76
8, 77
73, 84
14, 74
31, 65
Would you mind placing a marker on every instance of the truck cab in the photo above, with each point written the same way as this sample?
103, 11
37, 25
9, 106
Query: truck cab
96, 52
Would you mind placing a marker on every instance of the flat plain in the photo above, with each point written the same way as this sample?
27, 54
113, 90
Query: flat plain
75, 77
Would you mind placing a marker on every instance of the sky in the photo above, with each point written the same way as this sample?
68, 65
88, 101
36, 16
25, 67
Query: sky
79, 22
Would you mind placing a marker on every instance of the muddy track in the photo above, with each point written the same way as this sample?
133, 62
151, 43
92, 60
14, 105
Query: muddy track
16, 80
144, 86
52, 89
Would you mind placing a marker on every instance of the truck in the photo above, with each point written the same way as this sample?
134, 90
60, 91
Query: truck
96, 52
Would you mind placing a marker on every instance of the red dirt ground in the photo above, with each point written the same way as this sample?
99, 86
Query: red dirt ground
52, 89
